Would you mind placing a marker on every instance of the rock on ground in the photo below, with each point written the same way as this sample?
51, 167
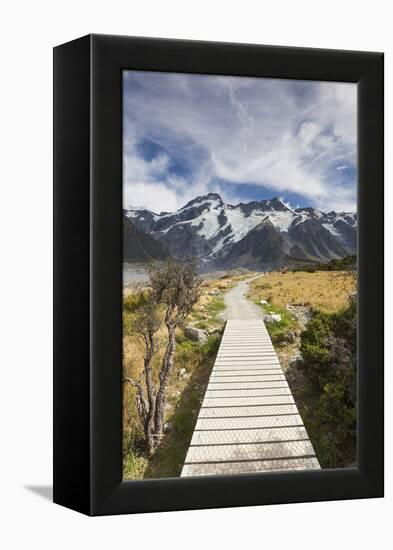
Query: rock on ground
196, 334
272, 317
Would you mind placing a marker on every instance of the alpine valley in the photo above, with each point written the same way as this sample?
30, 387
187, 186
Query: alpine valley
257, 235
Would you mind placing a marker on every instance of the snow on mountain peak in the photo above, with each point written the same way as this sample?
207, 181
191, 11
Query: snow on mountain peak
208, 226
210, 198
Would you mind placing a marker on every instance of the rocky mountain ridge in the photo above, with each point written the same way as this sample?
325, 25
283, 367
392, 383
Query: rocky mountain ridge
258, 234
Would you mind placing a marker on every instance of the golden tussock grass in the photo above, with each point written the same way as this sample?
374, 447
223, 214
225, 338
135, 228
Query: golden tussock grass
326, 291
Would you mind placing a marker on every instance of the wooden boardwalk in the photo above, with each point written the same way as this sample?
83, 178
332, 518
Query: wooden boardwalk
248, 421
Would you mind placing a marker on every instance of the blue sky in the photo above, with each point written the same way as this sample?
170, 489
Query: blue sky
246, 138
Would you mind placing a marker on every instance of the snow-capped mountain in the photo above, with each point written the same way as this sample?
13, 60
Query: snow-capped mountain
262, 234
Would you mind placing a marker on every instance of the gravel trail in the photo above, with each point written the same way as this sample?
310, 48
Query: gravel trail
238, 306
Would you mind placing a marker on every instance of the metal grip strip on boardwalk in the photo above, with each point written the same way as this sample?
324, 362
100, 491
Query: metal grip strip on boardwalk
248, 421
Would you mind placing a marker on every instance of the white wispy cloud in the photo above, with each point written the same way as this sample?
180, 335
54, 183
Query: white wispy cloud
286, 136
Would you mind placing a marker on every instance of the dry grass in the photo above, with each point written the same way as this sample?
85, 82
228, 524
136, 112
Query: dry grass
326, 291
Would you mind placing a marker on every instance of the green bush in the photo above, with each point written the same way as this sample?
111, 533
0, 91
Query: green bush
327, 394
133, 301
343, 264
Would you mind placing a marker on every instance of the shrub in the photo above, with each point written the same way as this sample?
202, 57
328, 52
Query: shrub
132, 302
348, 263
327, 400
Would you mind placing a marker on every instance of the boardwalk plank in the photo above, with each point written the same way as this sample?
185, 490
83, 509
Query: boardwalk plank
248, 400
256, 410
249, 451
251, 385
247, 378
246, 392
258, 466
241, 364
257, 435
249, 422
244, 372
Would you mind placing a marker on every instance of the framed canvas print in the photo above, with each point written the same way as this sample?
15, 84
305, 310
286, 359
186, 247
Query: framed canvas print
218, 275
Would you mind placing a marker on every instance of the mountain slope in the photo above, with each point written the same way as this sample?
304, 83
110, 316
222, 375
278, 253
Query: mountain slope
260, 233
262, 248
314, 241
140, 247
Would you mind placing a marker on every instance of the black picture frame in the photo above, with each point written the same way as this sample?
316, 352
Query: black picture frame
88, 274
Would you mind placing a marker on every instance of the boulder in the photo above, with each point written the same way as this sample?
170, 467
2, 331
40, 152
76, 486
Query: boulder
285, 338
272, 317
196, 334
290, 336
264, 302
295, 360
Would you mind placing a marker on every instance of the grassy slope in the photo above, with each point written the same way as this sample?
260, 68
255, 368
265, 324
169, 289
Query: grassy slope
277, 330
325, 291
260, 289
